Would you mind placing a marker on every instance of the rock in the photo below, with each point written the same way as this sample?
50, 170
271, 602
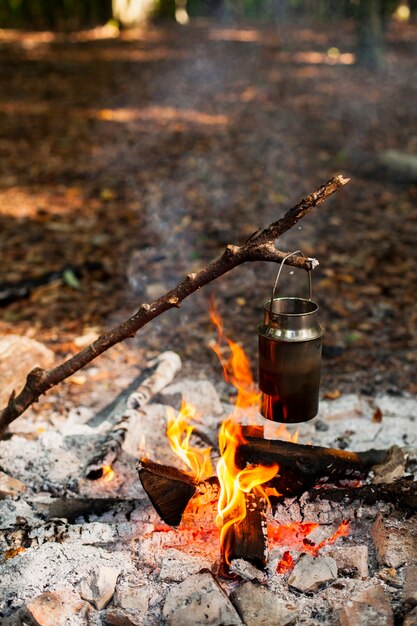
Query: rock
395, 541
392, 468
132, 596
98, 587
178, 565
258, 606
18, 356
10, 486
323, 532
349, 559
199, 601
247, 571
310, 572
57, 608
119, 617
411, 618
368, 608
410, 585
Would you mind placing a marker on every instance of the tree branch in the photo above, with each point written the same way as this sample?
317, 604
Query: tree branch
258, 248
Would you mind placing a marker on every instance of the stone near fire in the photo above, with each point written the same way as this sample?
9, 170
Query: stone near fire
98, 587
310, 573
199, 601
411, 618
258, 606
133, 596
410, 585
247, 571
349, 559
119, 617
395, 541
178, 565
10, 486
368, 608
57, 608
392, 468
323, 532
18, 356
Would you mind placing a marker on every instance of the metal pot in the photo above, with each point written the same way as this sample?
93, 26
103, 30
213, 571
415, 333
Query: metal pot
290, 346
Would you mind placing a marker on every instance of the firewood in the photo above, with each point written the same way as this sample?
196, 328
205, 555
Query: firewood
168, 488
402, 494
249, 538
301, 466
259, 247
152, 380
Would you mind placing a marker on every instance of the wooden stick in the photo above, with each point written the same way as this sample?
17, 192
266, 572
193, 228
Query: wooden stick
259, 247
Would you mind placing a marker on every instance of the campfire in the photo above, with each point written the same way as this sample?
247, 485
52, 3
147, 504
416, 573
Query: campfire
248, 474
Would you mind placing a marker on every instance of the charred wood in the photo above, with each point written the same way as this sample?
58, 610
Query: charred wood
402, 494
301, 467
248, 539
168, 488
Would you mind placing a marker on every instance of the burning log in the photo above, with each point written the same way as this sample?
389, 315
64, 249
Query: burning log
248, 538
301, 467
168, 488
151, 382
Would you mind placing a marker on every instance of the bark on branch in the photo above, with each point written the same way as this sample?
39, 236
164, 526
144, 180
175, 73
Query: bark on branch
260, 247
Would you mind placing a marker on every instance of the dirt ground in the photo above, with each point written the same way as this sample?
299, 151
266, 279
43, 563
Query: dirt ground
145, 154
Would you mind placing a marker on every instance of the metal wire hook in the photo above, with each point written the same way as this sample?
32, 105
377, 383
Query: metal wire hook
310, 287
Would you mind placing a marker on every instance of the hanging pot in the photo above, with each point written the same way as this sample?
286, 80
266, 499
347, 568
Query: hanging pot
290, 346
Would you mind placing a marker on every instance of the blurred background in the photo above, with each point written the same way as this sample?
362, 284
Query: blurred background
138, 137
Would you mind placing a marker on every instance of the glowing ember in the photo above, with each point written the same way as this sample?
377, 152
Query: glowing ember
179, 432
108, 473
296, 536
285, 564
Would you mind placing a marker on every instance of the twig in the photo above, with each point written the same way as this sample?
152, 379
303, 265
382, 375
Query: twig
260, 248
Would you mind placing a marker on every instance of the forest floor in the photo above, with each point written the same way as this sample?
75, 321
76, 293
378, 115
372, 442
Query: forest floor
146, 153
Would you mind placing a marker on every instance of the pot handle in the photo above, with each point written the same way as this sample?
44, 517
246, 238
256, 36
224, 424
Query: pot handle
310, 288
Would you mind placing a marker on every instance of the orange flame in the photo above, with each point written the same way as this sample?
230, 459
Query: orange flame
236, 369
108, 473
235, 483
179, 431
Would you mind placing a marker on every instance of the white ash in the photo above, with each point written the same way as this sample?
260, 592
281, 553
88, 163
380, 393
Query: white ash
53, 566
